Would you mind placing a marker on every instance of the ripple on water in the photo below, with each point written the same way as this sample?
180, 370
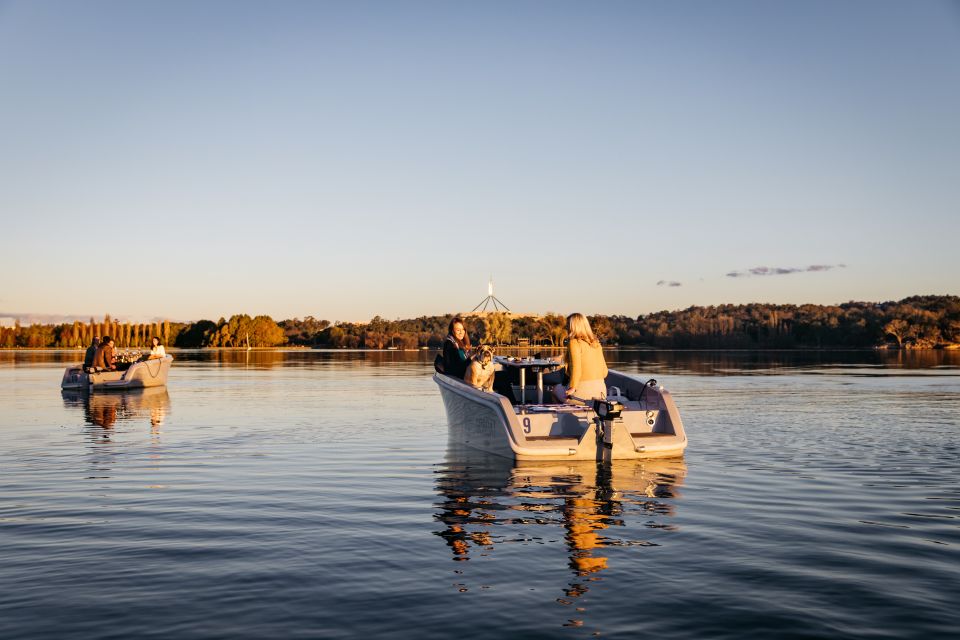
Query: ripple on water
315, 495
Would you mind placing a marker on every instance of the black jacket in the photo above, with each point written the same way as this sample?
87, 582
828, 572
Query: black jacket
454, 364
88, 358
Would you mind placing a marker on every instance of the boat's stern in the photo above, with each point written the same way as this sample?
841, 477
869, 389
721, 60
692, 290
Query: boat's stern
74, 378
647, 425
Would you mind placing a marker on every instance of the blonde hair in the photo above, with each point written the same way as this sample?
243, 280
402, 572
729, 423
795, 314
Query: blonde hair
579, 327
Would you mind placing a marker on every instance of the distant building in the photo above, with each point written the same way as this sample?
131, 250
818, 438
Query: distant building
490, 299
8, 322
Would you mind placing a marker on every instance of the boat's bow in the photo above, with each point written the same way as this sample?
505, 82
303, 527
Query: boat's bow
146, 373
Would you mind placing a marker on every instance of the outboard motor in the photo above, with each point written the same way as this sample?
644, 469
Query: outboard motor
607, 413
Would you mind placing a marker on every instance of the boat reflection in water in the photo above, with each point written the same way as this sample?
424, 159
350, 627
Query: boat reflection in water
106, 409
487, 500
114, 422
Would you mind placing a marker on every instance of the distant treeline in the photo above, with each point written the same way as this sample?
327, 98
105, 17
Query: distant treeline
916, 322
75, 334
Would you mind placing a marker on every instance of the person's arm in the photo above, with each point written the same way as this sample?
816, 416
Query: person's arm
451, 357
574, 369
453, 352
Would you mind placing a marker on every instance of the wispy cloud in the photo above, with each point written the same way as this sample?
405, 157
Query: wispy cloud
782, 271
669, 283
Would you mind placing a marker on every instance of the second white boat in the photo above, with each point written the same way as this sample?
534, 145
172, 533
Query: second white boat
146, 373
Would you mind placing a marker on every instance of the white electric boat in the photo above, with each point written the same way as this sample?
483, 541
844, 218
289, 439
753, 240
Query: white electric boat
146, 373
637, 420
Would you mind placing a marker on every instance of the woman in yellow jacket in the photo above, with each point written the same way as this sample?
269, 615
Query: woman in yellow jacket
585, 368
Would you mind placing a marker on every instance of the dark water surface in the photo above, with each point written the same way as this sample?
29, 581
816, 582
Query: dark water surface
314, 495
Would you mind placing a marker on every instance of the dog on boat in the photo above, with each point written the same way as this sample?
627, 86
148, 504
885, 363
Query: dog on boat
480, 370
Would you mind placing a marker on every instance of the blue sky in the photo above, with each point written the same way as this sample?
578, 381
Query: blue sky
193, 160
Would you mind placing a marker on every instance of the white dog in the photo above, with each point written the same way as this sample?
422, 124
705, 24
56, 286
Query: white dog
480, 370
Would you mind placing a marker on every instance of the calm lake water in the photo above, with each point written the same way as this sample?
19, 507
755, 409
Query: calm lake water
314, 495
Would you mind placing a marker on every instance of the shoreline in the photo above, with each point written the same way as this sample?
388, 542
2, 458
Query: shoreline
951, 347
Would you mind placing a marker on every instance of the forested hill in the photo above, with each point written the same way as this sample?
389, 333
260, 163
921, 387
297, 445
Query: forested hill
914, 322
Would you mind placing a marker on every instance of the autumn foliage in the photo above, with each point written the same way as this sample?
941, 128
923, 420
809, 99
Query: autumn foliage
916, 322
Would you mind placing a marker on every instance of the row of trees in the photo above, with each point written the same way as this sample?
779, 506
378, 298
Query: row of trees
918, 321
429, 331
80, 334
238, 331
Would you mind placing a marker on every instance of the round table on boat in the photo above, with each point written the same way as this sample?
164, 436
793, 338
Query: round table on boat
535, 365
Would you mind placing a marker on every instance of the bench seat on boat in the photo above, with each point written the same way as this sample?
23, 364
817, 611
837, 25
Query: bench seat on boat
557, 439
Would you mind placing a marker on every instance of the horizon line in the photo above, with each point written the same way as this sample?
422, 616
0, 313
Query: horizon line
66, 318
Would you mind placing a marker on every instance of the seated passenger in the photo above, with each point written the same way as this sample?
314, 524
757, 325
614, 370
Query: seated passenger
456, 349
156, 349
89, 355
104, 360
585, 369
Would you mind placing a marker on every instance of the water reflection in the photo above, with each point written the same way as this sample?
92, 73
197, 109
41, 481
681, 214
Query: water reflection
265, 359
765, 362
105, 409
487, 501
104, 412
645, 361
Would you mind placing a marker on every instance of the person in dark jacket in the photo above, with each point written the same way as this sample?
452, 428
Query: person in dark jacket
456, 349
91, 352
456, 357
104, 360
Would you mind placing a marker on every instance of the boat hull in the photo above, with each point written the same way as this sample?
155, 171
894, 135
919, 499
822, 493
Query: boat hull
149, 373
650, 427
